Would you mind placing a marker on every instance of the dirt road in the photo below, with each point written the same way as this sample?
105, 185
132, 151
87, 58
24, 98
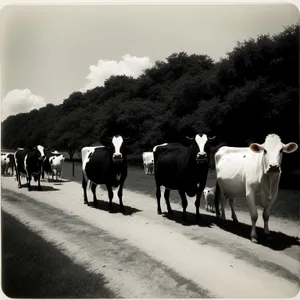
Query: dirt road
141, 254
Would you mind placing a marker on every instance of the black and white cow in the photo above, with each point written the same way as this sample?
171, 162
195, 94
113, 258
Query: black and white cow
182, 168
53, 164
29, 162
105, 165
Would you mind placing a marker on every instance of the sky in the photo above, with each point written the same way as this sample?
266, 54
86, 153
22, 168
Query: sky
48, 52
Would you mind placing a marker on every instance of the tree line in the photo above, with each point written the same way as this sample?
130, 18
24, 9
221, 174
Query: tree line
251, 92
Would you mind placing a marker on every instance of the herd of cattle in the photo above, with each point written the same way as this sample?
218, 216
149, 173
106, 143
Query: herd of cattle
251, 172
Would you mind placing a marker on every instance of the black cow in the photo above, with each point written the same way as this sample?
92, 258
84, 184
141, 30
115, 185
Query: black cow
105, 165
182, 168
29, 162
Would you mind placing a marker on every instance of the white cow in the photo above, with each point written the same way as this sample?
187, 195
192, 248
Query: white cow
7, 162
56, 163
209, 196
252, 172
148, 161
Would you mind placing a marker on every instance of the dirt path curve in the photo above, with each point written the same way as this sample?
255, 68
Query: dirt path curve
143, 255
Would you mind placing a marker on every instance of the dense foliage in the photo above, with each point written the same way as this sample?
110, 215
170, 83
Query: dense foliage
253, 91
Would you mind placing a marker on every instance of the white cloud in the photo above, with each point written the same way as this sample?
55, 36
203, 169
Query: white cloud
20, 101
128, 65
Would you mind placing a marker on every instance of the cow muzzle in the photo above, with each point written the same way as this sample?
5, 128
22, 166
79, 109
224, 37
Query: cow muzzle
273, 169
202, 157
117, 158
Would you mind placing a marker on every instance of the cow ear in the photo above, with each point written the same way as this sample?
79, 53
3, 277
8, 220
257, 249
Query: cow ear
290, 147
189, 139
256, 147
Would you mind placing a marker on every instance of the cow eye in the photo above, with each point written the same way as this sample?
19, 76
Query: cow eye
265, 151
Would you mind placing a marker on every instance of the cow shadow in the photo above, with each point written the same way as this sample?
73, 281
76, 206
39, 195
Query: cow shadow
56, 182
279, 240
44, 188
104, 205
176, 216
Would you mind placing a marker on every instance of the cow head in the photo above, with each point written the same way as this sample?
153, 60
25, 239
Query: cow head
272, 150
118, 146
39, 150
200, 142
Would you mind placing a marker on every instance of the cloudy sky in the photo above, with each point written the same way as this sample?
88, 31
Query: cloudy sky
47, 52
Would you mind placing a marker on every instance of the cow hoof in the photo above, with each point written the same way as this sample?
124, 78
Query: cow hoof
254, 240
170, 212
19, 186
159, 212
29, 189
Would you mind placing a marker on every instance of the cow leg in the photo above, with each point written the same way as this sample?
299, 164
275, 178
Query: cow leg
167, 195
197, 202
218, 197
84, 185
120, 195
184, 204
110, 196
158, 195
39, 183
206, 205
233, 214
18, 179
254, 215
266, 216
28, 182
93, 188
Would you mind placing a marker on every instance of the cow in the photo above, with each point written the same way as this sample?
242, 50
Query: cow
182, 168
29, 162
148, 162
106, 164
7, 162
209, 197
252, 172
53, 164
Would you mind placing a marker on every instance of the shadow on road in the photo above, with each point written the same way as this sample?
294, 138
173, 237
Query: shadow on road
279, 241
104, 205
44, 188
56, 181
206, 220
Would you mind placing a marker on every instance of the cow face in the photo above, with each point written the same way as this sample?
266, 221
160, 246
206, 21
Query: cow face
41, 151
200, 142
118, 147
272, 150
